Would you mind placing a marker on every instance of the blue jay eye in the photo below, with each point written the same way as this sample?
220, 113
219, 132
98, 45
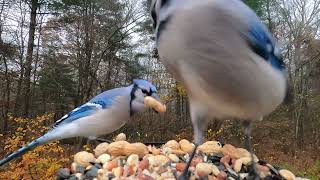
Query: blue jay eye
164, 2
144, 91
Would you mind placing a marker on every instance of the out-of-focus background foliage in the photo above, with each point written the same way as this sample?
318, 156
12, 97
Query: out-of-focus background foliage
57, 54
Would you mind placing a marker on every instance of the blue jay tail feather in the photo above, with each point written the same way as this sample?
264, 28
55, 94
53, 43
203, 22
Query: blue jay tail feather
20, 151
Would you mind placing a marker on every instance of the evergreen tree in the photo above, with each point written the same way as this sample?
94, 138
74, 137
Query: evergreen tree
56, 84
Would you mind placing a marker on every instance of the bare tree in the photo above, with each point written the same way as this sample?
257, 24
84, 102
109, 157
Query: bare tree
299, 24
27, 73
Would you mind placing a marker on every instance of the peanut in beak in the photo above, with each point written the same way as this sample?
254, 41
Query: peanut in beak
156, 105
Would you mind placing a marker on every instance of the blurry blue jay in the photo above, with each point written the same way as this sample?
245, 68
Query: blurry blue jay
226, 58
103, 114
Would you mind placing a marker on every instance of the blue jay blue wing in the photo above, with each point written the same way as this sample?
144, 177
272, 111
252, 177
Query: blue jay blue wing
262, 43
82, 111
101, 101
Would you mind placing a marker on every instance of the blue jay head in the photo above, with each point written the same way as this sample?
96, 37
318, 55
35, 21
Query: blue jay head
140, 89
155, 8
161, 11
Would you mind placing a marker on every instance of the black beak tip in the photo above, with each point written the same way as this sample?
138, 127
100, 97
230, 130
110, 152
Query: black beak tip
155, 110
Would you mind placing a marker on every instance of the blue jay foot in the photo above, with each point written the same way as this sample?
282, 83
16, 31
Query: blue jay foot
253, 173
182, 176
81, 143
186, 174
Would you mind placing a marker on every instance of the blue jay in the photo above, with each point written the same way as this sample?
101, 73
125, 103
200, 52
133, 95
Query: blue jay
225, 57
103, 114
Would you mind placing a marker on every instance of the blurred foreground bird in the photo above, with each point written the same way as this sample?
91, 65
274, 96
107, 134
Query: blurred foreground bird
103, 114
226, 58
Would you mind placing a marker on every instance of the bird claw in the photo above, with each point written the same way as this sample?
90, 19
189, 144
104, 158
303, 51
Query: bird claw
184, 176
186, 173
253, 174
102, 140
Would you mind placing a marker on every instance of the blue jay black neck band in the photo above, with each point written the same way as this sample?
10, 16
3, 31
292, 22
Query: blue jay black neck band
154, 17
132, 97
162, 27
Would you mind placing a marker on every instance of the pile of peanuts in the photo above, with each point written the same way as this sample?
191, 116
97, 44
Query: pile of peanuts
123, 160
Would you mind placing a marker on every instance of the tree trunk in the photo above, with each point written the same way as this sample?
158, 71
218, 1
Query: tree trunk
36, 63
178, 102
17, 103
7, 95
89, 42
269, 19
28, 67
